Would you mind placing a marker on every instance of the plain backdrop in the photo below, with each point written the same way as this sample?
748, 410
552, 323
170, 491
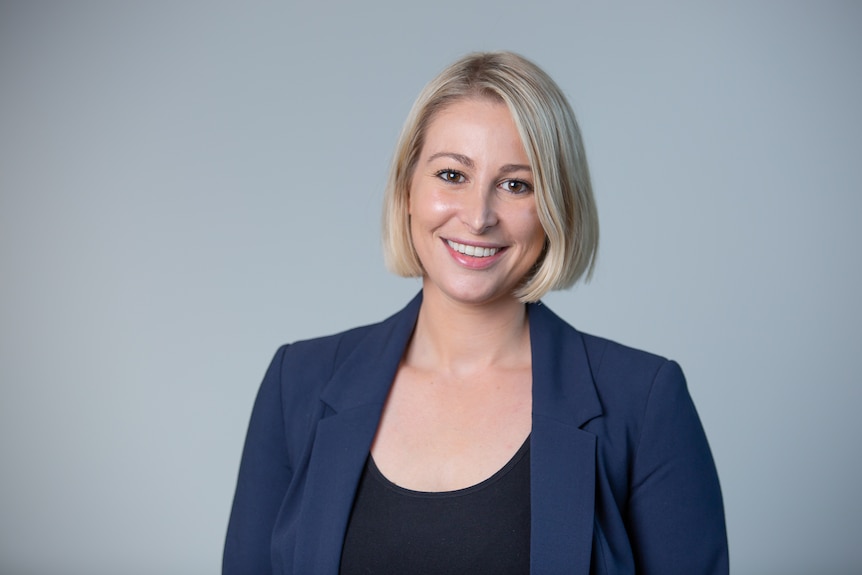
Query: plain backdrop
186, 185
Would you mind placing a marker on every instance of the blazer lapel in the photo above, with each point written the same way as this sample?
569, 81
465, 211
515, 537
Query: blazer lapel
355, 397
562, 456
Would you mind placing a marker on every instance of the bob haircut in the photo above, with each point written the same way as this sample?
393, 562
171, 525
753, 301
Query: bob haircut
552, 141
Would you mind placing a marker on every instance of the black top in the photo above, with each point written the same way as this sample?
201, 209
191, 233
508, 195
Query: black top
480, 529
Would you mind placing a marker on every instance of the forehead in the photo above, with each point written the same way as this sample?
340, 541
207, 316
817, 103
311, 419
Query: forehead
481, 125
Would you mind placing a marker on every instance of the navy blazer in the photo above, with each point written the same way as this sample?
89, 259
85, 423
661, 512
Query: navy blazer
621, 475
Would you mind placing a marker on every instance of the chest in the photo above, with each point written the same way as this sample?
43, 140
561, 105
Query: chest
441, 434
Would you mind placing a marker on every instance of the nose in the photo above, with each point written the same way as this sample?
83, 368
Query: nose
479, 210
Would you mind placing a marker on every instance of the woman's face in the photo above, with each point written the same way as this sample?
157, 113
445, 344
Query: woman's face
472, 208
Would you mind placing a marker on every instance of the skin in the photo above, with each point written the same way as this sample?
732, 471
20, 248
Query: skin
460, 405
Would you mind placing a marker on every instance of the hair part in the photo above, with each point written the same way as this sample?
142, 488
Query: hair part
553, 143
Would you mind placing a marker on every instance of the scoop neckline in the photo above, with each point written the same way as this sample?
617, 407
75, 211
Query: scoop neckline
498, 475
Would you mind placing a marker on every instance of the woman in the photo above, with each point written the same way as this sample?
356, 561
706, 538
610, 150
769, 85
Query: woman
475, 431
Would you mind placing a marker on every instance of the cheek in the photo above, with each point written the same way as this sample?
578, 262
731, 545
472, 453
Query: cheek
429, 207
539, 231
530, 227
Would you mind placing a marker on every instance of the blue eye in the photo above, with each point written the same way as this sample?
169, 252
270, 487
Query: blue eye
451, 176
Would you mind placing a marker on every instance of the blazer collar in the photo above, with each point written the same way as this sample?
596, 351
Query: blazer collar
355, 396
372, 363
563, 387
562, 455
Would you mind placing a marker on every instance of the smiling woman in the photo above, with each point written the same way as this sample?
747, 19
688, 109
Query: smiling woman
474, 431
471, 205
551, 144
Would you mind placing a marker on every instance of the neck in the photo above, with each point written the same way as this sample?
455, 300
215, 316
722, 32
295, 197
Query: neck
459, 338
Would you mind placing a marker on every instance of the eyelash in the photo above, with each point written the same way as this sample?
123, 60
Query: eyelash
442, 174
527, 187
460, 178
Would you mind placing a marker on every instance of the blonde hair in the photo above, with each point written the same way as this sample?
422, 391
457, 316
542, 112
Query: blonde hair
552, 140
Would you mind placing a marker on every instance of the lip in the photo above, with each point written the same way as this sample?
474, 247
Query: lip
472, 262
471, 243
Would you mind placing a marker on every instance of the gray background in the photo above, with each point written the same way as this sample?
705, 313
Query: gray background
187, 185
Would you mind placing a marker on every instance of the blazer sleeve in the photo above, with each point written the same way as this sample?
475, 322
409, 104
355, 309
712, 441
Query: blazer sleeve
675, 510
264, 475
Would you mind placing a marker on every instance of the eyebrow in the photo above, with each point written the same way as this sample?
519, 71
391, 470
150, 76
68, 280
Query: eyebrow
509, 168
467, 161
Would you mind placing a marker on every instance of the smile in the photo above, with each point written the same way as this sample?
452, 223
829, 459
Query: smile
475, 251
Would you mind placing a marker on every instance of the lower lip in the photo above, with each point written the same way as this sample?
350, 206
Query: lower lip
473, 262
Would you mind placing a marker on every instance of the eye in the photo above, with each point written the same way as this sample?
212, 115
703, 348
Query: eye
451, 176
517, 187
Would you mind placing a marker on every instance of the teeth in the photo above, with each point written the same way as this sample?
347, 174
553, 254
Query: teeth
474, 251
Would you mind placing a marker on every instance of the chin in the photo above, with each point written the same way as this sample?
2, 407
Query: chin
473, 294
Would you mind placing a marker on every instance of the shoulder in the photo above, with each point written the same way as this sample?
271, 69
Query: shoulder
318, 358
641, 394
613, 361
623, 377
607, 359
311, 363
630, 381
302, 372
